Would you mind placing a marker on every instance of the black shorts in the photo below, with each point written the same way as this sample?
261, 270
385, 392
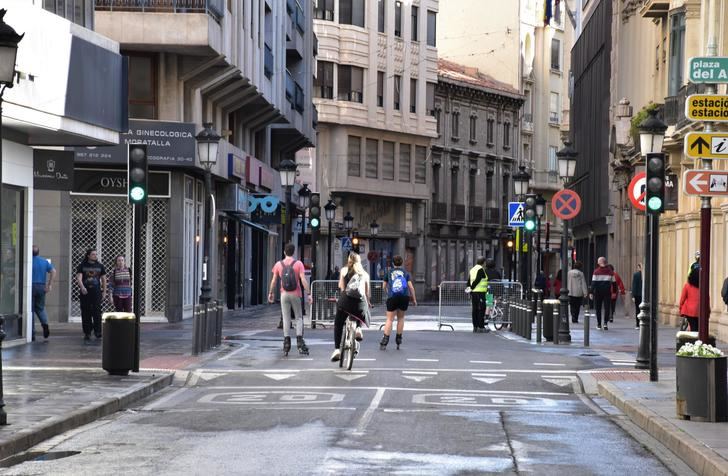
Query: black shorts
397, 303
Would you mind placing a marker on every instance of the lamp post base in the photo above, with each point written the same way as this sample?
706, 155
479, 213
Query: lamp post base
643, 351
564, 331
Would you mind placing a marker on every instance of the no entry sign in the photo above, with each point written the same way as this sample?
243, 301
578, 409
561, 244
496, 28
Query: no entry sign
566, 204
638, 190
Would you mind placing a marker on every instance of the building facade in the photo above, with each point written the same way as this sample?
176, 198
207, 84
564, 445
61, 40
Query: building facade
472, 162
374, 92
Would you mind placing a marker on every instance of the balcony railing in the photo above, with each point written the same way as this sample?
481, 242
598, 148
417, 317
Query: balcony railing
457, 212
439, 211
475, 214
675, 105
553, 117
492, 216
215, 8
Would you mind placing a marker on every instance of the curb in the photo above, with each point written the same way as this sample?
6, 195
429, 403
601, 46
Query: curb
699, 457
30, 437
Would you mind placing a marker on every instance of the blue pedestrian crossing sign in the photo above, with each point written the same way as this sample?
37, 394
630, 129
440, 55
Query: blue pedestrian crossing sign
515, 214
346, 244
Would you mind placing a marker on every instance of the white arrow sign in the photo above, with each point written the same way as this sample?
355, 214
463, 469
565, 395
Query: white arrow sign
417, 378
560, 381
696, 182
350, 377
488, 380
279, 376
210, 375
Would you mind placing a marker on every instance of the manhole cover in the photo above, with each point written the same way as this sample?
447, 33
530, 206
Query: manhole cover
36, 456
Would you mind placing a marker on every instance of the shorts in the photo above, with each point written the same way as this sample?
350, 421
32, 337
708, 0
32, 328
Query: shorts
398, 303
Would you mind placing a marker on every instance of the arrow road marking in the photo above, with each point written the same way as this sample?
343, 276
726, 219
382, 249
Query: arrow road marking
350, 377
279, 376
417, 378
210, 375
696, 182
560, 381
488, 380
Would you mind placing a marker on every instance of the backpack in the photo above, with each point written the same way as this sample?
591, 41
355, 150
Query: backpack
355, 287
398, 282
289, 280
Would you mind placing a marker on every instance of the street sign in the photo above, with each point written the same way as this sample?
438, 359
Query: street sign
566, 204
706, 145
346, 245
709, 69
515, 214
706, 182
638, 190
707, 107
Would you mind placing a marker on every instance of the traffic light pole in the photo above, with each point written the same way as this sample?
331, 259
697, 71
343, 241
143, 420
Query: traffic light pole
328, 258
136, 282
654, 298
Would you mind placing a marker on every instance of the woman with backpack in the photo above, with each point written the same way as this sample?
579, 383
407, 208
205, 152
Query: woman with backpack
399, 291
354, 297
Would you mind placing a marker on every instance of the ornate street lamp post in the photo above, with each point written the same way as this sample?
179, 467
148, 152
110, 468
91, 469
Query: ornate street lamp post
567, 168
288, 177
304, 200
521, 180
330, 211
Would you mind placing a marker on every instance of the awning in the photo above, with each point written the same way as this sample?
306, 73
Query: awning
259, 227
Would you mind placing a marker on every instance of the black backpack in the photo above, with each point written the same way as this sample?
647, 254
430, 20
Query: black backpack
289, 280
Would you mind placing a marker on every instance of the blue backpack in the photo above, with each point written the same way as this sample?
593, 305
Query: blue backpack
398, 282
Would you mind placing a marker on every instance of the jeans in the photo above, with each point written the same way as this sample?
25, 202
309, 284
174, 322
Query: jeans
637, 302
91, 311
575, 306
39, 295
603, 300
288, 301
122, 304
478, 313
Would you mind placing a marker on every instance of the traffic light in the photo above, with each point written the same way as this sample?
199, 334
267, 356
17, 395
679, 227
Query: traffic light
529, 213
355, 241
137, 174
655, 193
314, 211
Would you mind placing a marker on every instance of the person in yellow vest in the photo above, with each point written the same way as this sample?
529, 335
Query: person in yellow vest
478, 285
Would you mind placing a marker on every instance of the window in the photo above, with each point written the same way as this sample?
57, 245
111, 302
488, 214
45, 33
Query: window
380, 89
506, 134
415, 22
555, 54
413, 95
142, 86
455, 125
71, 10
437, 120
553, 163
323, 85
405, 162
372, 164
490, 131
324, 10
420, 164
430, 99
351, 83
398, 19
472, 188
436, 183
473, 128
268, 62
388, 160
527, 111
351, 12
431, 28
397, 90
354, 156
554, 108
380, 16
677, 53
12, 252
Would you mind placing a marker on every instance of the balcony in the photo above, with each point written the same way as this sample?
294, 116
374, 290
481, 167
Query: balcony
439, 211
655, 8
528, 123
492, 216
294, 93
475, 215
554, 118
295, 28
457, 213
674, 111
214, 8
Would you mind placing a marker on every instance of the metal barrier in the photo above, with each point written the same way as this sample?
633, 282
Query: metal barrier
206, 326
457, 304
324, 295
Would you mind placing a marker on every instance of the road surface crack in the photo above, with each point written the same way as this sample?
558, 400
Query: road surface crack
510, 443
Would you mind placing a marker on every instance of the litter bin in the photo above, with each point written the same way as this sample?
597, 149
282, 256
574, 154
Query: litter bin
548, 318
118, 343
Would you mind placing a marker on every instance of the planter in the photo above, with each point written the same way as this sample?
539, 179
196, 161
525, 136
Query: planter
702, 388
684, 337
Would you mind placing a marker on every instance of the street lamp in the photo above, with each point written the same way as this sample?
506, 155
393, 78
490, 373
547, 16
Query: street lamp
9, 40
348, 223
567, 168
521, 181
208, 142
330, 211
287, 168
652, 135
304, 200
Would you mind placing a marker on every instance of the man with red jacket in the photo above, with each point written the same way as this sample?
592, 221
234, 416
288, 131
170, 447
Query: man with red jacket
617, 289
601, 291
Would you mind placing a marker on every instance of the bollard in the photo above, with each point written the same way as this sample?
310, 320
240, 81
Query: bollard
587, 315
219, 324
557, 320
196, 330
539, 316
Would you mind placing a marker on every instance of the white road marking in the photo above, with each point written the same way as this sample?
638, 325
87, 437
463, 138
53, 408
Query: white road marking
488, 380
350, 377
399, 369
210, 375
493, 362
272, 397
358, 359
549, 364
560, 381
243, 347
279, 376
403, 389
423, 360
369, 413
624, 364
420, 372
468, 399
487, 375
417, 378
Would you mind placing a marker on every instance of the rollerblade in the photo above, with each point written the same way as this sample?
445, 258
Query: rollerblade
302, 348
398, 340
384, 342
286, 346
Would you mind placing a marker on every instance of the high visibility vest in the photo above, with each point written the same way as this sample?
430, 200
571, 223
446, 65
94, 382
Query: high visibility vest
482, 286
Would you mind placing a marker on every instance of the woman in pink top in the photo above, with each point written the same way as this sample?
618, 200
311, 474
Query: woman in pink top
690, 300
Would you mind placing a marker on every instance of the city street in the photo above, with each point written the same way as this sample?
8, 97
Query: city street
446, 403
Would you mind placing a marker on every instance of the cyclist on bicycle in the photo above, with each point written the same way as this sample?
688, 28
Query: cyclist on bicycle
354, 298
399, 290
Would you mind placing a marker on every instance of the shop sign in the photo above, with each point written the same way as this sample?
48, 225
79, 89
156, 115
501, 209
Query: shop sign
113, 182
264, 209
52, 169
232, 198
236, 167
672, 192
168, 144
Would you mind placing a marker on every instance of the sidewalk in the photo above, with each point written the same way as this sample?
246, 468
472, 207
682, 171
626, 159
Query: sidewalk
55, 386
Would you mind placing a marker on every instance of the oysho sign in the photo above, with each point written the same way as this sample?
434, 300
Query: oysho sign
113, 182
168, 144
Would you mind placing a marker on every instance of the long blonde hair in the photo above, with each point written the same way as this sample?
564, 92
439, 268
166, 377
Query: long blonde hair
354, 263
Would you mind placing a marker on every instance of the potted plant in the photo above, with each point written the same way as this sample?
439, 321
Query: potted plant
702, 387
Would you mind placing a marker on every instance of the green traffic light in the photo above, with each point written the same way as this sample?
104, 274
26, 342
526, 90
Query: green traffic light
529, 225
137, 194
315, 223
654, 203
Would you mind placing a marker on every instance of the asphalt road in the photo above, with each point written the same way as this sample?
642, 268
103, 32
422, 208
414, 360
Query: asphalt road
448, 403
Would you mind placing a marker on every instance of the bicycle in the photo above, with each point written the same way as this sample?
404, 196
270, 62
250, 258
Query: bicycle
349, 345
497, 317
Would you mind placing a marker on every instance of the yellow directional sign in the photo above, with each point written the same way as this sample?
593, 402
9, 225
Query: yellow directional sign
706, 146
707, 107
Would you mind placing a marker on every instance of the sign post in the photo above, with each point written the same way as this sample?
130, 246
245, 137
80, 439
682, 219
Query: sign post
566, 205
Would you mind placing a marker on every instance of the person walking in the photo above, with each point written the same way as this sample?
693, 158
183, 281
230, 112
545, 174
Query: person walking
354, 299
42, 284
690, 300
557, 285
91, 279
292, 275
637, 294
398, 286
120, 284
478, 284
617, 289
601, 291
578, 290
541, 282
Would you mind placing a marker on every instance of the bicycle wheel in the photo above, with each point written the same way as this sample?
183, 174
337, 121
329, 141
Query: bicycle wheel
352, 346
342, 346
496, 318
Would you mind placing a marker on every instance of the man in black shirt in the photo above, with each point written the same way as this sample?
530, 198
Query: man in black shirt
91, 279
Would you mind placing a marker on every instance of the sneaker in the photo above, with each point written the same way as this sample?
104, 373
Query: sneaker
98, 336
637, 327
358, 335
599, 328
87, 337
46, 331
606, 328
336, 355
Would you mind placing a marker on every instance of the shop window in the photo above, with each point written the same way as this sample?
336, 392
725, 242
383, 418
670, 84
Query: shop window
11, 229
